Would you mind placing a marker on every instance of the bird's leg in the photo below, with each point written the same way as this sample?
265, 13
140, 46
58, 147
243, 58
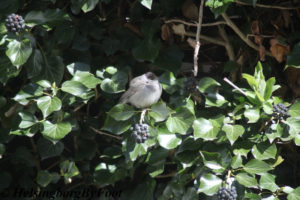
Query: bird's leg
143, 115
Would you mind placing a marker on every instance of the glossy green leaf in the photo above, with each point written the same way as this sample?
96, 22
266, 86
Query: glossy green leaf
19, 51
294, 195
44, 178
73, 68
48, 105
159, 111
42, 17
205, 129
294, 125
209, 184
211, 160
121, 112
87, 79
246, 180
208, 85
116, 127
267, 181
214, 99
7, 69
146, 3
264, 151
233, 132
35, 64
252, 114
68, 169
74, 88
28, 91
28, 120
48, 148
181, 121
237, 161
167, 139
56, 131
255, 166
89, 5
294, 110
116, 83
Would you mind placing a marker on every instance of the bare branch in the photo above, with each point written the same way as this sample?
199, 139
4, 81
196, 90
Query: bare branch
194, 24
107, 134
267, 6
233, 85
241, 34
197, 47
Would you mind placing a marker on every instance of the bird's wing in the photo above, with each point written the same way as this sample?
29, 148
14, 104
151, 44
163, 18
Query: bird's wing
131, 91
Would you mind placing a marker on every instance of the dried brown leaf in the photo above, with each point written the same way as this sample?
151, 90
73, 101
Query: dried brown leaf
278, 50
190, 10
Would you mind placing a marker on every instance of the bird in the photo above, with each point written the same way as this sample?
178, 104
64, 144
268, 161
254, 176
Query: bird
143, 91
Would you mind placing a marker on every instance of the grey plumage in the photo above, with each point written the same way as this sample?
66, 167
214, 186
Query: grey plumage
143, 91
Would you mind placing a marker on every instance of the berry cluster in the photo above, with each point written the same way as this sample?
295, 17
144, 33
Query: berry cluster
191, 84
140, 132
14, 23
227, 194
280, 111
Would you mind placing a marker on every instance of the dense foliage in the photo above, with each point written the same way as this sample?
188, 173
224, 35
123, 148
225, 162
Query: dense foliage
65, 63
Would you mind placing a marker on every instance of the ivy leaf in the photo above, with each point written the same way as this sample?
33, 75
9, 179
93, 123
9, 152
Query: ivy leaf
233, 132
246, 180
52, 71
208, 85
209, 184
44, 178
205, 129
146, 3
211, 160
19, 51
28, 91
28, 120
73, 68
167, 139
48, 105
74, 88
47, 16
56, 131
159, 111
214, 99
255, 166
181, 121
116, 83
116, 127
89, 5
121, 112
267, 181
264, 151
7, 69
294, 195
68, 169
147, 50
138, 150
49, 149
252, 114
294, 125
87, 79
294, 110
35, 64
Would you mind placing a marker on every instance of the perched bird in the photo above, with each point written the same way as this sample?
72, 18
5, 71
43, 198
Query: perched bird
143, 91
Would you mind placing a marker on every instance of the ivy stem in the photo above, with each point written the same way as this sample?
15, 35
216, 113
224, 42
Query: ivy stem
107, 134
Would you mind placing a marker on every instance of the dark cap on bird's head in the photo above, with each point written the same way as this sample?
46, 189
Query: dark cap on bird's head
151, 76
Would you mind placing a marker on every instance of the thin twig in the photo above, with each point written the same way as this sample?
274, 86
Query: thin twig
197, 47
228, 46
241, 34
107, 134
143, 115
233, 85
267, 6
166, 175
193, 24
207, 38
263, 36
